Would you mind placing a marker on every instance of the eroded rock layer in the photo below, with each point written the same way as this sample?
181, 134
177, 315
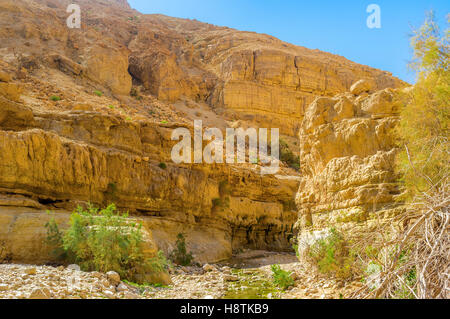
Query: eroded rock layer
347, 160
86, 116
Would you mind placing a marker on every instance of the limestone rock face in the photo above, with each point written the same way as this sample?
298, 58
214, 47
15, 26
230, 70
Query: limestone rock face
347, 158
109, 66
361, 86
240, 74
73, 158
61, 145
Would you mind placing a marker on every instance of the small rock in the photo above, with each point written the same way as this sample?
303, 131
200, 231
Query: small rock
121, 287
96, 274
109, 294
113, 277
74, 267
30, 271
39, 293
208, 297
269, 296
4, 287
230, 278
209, 267
130, 295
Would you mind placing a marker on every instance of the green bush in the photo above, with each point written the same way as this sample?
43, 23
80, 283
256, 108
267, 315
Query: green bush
55, 98
288, 157
425, 116
162, 165
180, 255
332, 255
98, 93
103, 240
55, 239
281, 278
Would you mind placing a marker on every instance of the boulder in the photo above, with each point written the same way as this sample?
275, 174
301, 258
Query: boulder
10, 91
361, 86
5, 77
113, 277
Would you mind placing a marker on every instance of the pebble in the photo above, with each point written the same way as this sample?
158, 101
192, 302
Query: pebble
74, 267
113, 277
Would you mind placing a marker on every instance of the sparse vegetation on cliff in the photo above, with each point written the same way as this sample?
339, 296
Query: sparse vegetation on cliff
287, 156
333, 256
180, 255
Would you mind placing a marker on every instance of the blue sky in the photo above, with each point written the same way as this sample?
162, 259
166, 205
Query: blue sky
334, 26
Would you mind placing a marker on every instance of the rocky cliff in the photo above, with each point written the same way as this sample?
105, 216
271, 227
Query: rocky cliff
347, 162
86, 116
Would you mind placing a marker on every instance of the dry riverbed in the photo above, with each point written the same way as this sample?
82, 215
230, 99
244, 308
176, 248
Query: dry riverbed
247, 275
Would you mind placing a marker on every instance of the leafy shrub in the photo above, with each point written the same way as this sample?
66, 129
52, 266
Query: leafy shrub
332, 255
216, 202
102, 240
55, 239
180, 255
281, 278
425, 116
55, 98
98, 93
162, 165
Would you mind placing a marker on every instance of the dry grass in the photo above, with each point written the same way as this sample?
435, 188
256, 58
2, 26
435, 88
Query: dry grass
415, 260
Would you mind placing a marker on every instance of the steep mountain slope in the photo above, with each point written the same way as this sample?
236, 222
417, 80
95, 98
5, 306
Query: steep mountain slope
86, 116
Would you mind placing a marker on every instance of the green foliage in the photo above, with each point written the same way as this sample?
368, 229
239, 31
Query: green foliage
98, 93
55, 98
103, 240
409, 280
55, 239
297, 254
162, 165
281, 278
180, 255
112, 107
424, 126
216, 202
134, 93
332, 255
288, 157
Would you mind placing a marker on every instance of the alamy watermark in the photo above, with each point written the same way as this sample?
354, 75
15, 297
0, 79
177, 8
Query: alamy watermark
374, 19
74, 20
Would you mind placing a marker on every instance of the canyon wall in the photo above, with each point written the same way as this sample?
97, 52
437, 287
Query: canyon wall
86, 116
347, 161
